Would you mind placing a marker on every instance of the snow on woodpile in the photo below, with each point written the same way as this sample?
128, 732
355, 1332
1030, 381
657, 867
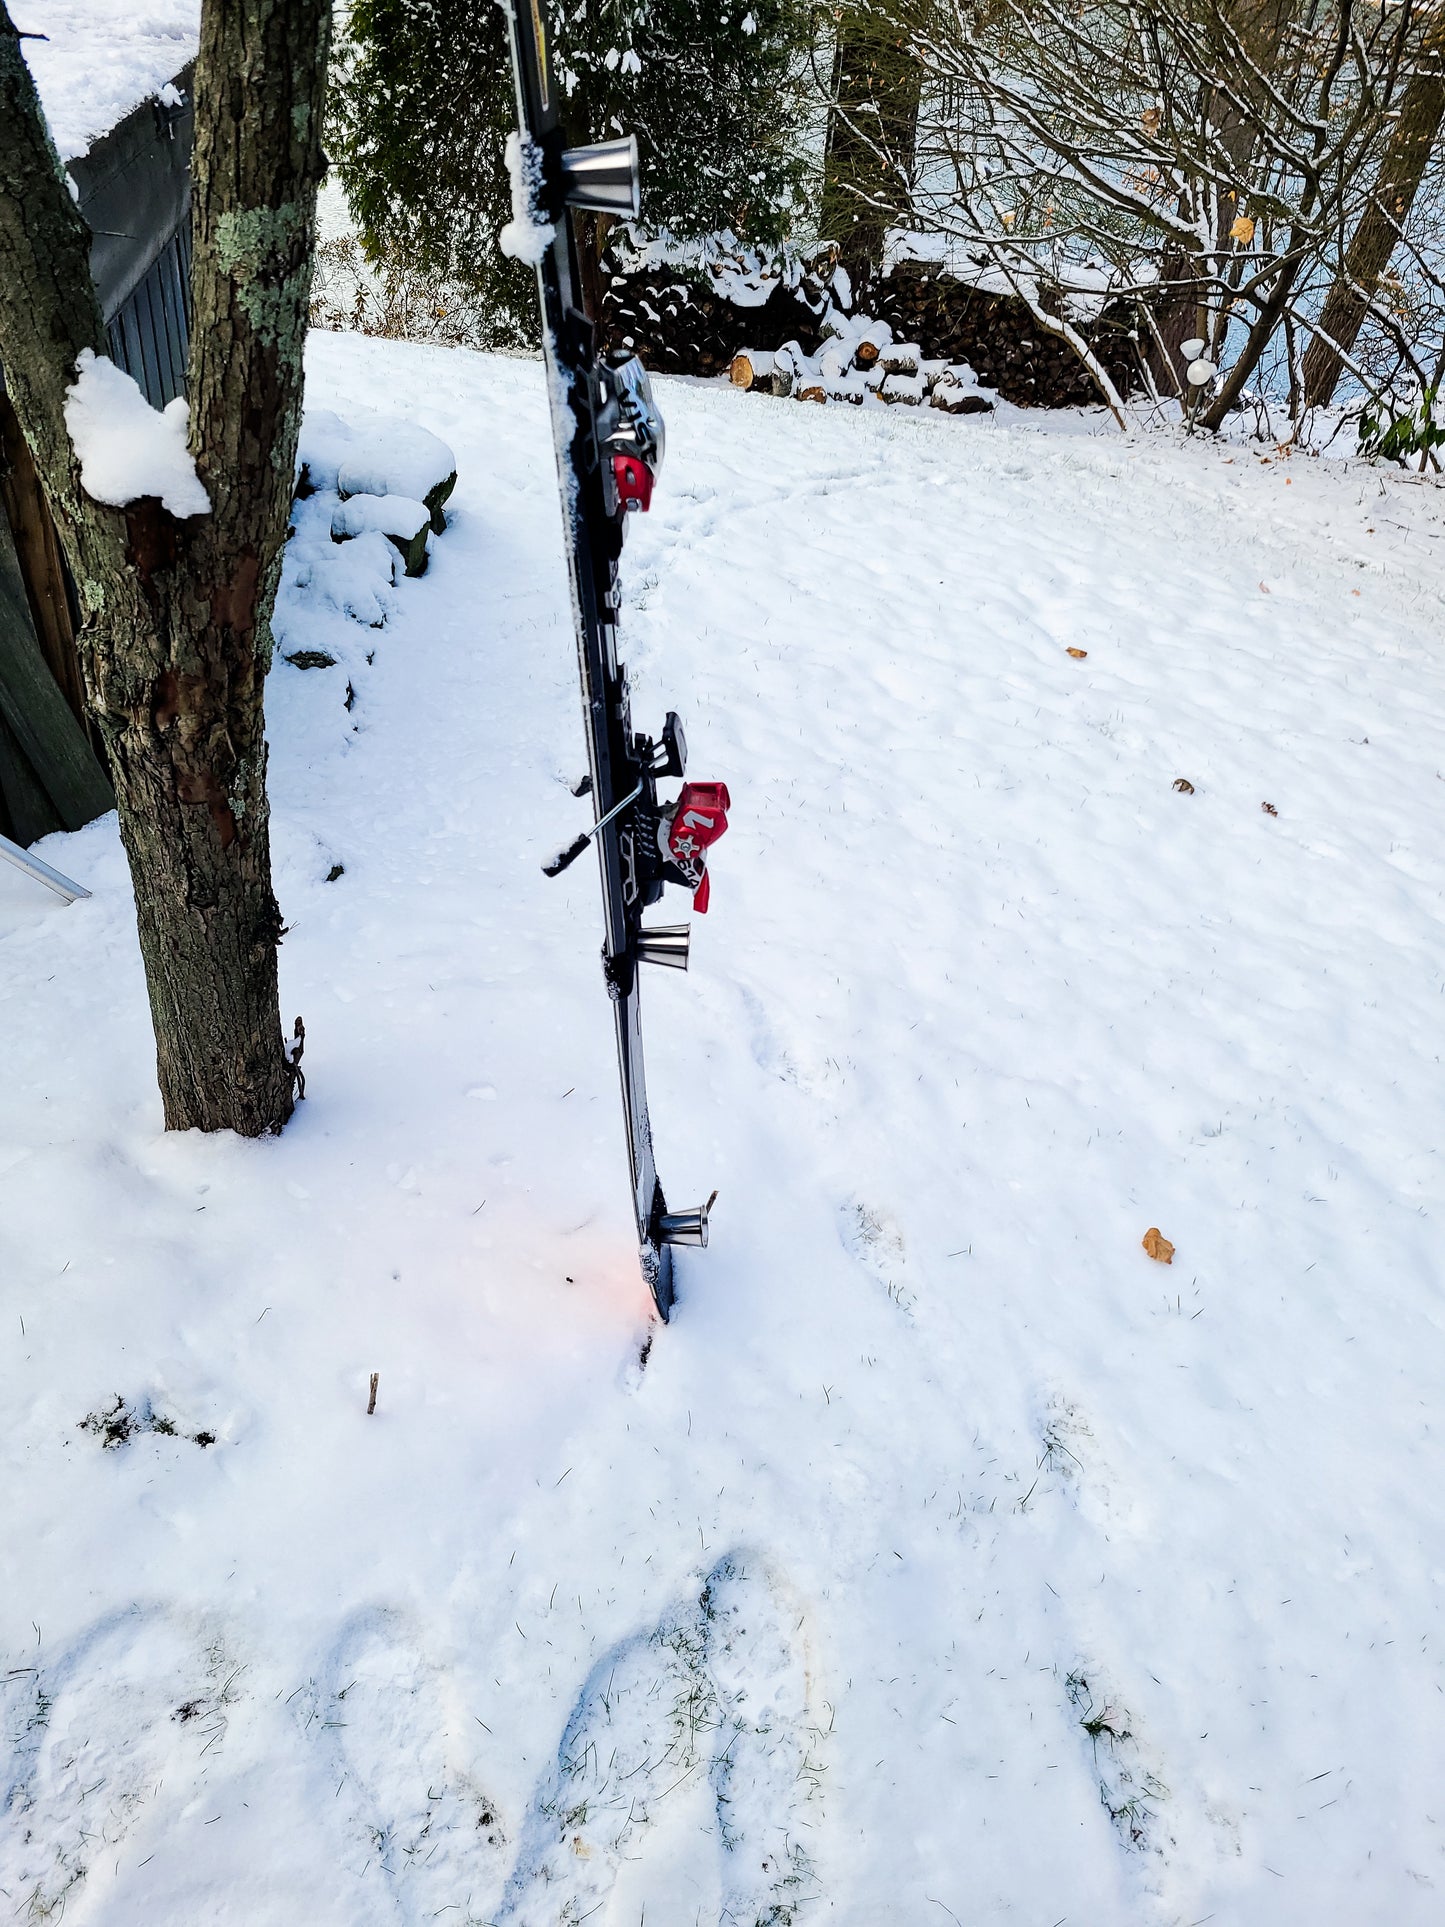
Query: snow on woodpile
101, 58
858, 362
692, 308
126, 448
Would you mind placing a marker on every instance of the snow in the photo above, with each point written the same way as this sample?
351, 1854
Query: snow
372, 454
948, 1556
526, 237
126, 448
743, 276
100, 58
390, 514
396, 459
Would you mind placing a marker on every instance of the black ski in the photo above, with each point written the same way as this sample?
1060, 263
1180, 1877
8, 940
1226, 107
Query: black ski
609, 444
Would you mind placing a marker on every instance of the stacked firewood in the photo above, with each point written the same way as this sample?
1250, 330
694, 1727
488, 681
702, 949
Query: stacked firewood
859, 359
701, 320
688, 328
999, 336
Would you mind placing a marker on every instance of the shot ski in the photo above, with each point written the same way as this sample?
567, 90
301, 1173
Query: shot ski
609, 442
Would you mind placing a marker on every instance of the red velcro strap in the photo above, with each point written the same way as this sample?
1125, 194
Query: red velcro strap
698, 819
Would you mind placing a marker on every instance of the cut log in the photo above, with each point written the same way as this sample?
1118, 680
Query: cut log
850, 388
956, 398
901, 357
903, 388
788, 362
810, 388
834, 359
870, 344
751, 368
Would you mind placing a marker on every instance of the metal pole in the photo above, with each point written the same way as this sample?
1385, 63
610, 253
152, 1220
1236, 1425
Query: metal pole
42, 872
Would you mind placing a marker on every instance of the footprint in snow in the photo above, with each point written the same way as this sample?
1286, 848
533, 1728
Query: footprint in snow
768, 1052
764, 1767
720, 1687
390, 1740
1130, 1791
872, 1237
631, 1740
1074, 1459
90, 1742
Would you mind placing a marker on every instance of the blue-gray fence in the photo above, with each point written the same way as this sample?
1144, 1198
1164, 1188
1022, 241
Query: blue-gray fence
149, 334
135, 193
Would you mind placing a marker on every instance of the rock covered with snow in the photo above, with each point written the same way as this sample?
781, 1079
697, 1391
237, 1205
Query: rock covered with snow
391, 514
353, 579
404, 460
369, 487
126, 448
376, 454
406, 524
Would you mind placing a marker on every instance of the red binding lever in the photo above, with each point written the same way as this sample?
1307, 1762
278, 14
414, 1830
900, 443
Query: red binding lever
698, 819
634, 482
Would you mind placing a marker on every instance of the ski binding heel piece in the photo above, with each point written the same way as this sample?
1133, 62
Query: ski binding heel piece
630, 434
685, 1227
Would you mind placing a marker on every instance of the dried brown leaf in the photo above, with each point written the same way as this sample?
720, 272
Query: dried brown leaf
1158, 1246
1078, 654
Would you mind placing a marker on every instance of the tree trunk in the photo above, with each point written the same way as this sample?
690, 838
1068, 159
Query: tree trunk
176, 640
1182, 310
872, 137
1422, 109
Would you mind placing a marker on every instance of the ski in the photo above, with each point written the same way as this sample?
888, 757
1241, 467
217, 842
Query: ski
609, 441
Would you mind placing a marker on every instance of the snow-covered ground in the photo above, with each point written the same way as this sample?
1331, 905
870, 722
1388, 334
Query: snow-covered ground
948, 1558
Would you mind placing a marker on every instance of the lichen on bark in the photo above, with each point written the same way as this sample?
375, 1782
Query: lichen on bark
257, 247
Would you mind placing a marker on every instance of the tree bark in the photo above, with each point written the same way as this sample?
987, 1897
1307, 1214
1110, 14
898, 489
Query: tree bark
176, 640
1187, 282
1422, 110
872, 137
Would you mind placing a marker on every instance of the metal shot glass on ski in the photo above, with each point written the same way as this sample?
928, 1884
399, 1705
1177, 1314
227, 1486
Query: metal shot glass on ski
609, 441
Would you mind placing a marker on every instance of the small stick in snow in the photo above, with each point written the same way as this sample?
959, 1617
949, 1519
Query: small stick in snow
293, 1058
371, 1402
